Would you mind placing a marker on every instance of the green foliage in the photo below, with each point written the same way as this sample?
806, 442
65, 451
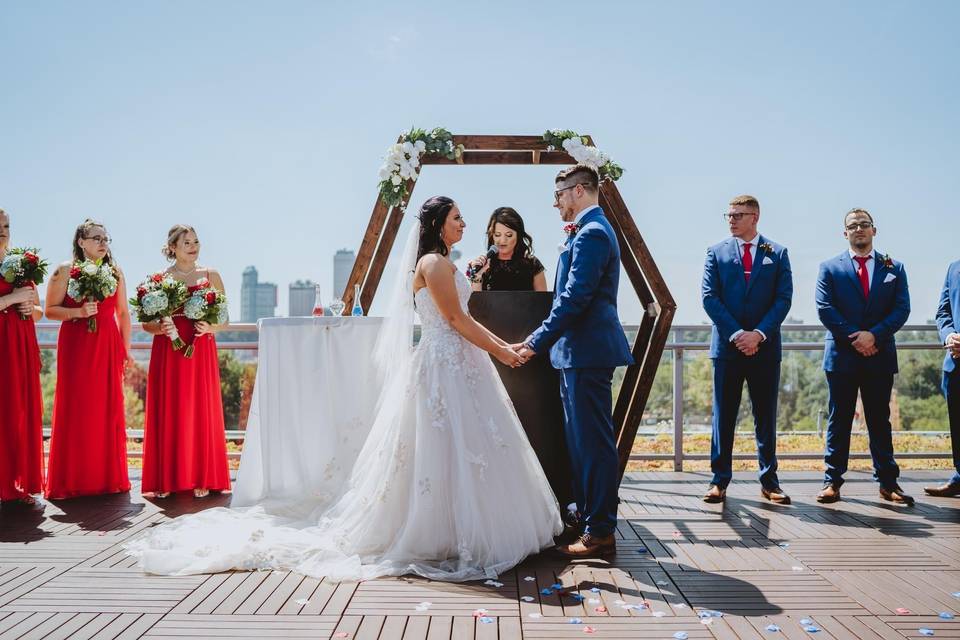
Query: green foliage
133, 407
231, 388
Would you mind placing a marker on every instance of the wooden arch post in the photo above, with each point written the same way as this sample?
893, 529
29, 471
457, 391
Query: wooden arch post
640, 267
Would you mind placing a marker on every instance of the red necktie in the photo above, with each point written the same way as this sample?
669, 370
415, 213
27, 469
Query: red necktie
862, 272
747, 260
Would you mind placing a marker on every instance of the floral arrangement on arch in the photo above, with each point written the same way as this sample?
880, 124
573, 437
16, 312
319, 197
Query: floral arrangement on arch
576, 145
402, 162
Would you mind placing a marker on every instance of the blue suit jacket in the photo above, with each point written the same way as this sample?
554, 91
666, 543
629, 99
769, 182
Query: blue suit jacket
843, 310
733, 304
948, 311
583, 329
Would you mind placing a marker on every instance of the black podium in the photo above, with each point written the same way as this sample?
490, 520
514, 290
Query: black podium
534, 388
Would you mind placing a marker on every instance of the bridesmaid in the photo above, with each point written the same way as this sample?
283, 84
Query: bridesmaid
184, 443
88, 447
21, 411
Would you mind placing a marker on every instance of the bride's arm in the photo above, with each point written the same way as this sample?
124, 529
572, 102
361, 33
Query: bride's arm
443, 290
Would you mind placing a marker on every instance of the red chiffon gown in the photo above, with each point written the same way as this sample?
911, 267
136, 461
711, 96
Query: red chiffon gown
21, 409
88, 446
184, 443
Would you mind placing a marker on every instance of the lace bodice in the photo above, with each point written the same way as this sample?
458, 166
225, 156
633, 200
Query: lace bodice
432, 320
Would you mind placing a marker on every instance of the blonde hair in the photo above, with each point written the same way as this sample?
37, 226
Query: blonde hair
176, 232
746, 201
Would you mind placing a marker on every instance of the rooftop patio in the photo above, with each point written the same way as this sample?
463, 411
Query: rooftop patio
845, 569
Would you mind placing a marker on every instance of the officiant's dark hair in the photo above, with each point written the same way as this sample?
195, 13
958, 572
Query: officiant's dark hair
508, 217
433, 214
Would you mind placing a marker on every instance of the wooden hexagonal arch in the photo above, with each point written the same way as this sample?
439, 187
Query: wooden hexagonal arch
637, 262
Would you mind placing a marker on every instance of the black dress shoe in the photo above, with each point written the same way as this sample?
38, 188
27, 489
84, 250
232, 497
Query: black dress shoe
949, 490
896, 494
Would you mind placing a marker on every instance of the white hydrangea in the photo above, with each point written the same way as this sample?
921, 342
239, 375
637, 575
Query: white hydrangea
195, 307
73, 289
90, 268
154, 302
10, 267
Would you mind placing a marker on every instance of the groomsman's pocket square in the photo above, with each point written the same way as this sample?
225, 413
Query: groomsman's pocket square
890, 278
767, 260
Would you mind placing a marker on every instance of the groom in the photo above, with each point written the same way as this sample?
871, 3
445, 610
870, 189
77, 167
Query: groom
586, 342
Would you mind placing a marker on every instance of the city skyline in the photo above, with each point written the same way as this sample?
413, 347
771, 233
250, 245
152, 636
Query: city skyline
245, 131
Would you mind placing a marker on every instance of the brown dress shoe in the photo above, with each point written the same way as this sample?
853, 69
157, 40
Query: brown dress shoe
590, 546
896, 494
715, 494
949, 490
775, 495
829, 494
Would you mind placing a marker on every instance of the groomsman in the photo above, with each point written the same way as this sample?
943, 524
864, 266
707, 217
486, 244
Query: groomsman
747, 291
948, 322
862, 300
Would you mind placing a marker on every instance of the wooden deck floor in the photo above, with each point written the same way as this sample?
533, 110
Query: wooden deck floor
858, 569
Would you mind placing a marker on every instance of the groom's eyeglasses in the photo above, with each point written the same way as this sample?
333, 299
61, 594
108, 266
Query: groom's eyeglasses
863, 226
556, 194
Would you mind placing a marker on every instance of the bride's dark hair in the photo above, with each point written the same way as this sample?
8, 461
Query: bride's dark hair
432, 215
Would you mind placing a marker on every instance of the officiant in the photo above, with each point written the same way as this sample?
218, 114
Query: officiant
511, 300
509, 264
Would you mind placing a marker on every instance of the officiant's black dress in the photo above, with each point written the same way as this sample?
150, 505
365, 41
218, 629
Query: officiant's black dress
515, 274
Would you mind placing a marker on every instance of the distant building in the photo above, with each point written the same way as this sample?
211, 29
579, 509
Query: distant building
301, 297
342, 266
257, 299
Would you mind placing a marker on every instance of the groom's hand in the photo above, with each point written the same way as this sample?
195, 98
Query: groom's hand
523, 351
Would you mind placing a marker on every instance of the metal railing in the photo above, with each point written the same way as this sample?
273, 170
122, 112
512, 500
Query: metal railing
677, 348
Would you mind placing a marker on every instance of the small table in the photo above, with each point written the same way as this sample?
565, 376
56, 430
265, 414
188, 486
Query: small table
313, 404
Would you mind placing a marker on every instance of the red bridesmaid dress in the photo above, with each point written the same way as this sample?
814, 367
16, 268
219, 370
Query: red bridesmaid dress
88, 446
184, 442
21, 411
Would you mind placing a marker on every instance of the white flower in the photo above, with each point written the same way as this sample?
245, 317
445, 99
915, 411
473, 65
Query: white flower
154, 303
73, 289
408, 148
420, 145
105, 270
90, 268
395, 180
384, 173
195, 307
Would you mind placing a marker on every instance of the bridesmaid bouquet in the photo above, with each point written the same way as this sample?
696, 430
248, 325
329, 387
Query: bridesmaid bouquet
205, 304
23, 267
93, 281
159, 296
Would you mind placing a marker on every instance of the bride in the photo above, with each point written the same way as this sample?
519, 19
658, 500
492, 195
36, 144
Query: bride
446, 485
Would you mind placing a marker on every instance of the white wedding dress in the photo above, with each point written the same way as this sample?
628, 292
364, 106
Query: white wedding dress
447, 486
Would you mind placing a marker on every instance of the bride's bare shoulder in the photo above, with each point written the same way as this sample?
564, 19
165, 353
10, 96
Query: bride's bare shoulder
433, 264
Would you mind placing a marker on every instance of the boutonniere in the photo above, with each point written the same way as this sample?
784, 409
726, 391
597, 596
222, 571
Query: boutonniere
886, 260
765, 247
571, 229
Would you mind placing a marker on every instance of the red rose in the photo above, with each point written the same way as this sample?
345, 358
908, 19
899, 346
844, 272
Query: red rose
211, 297
30, 257
141, 292
157, 277
74, 272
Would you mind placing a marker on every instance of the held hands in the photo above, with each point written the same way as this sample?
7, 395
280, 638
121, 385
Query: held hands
953, 345
508, 356
748, 342
25, 296
864, 343
201, 328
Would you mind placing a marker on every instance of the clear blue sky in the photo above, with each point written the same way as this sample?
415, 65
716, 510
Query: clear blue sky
263, 124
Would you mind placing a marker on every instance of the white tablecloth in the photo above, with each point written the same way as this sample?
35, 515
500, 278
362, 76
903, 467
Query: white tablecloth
313, 403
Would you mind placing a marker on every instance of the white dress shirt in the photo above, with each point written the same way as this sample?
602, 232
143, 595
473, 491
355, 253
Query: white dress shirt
753, 254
